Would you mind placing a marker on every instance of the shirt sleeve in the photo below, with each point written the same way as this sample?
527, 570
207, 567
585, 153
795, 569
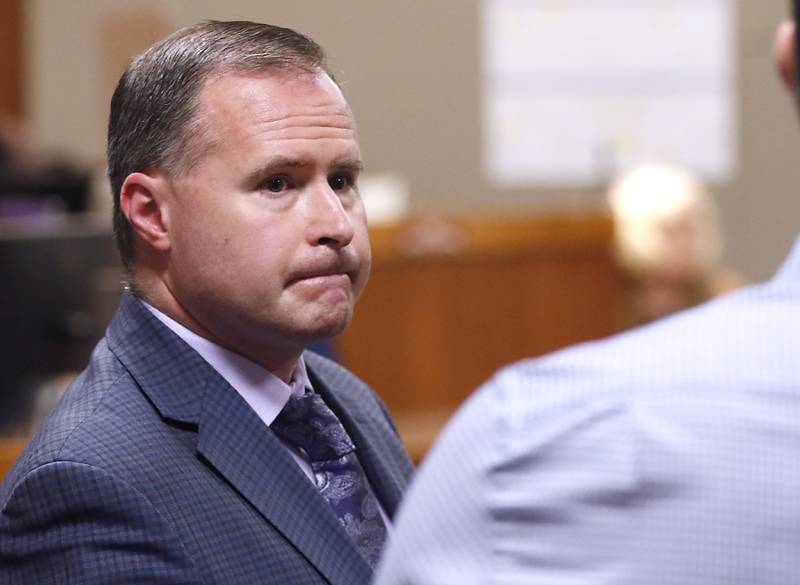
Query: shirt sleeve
443, 527
523, 487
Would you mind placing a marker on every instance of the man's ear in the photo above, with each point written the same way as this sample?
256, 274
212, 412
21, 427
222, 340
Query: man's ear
144, 199
785, 55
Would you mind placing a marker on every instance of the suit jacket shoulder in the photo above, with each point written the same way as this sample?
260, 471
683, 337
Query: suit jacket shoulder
153, 468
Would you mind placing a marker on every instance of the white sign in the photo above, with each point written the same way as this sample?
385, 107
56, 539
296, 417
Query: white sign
577, 90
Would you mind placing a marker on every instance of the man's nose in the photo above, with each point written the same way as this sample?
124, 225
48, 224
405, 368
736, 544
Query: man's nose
330, 223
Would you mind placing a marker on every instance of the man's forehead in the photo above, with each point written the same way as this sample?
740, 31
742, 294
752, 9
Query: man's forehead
276, 88
242, 112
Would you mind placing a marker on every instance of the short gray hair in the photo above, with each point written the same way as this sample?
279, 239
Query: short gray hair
154, 120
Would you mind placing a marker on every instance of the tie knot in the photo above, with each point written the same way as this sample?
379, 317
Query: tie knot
309, 424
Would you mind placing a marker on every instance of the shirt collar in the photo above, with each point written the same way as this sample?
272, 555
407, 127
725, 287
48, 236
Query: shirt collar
261, 389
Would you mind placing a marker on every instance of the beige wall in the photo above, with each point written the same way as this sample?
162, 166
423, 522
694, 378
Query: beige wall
411, 70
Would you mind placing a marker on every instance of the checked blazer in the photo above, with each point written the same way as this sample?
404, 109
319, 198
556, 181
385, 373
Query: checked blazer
152, 469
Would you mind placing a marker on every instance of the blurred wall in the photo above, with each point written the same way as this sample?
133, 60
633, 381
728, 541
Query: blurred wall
10, 58
411, 70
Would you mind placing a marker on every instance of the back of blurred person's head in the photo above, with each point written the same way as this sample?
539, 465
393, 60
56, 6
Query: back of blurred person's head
667, 240
665, 223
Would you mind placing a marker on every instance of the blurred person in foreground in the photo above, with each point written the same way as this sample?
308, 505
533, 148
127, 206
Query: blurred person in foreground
203, 444
667, 455
667, 241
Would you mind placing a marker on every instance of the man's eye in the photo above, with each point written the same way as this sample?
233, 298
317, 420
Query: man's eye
275, 184
340, 182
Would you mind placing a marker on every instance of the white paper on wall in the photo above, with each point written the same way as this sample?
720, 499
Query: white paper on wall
577, 90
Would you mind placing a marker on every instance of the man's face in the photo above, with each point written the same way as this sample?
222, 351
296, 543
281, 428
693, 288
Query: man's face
268, 239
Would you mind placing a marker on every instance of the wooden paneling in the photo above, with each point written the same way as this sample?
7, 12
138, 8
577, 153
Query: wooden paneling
122, 33
451, 300
11, 58
10, 449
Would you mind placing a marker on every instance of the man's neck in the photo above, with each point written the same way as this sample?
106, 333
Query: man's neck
280, 363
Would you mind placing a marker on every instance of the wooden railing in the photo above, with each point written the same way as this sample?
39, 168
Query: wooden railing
11, 57
451, 300
10, 449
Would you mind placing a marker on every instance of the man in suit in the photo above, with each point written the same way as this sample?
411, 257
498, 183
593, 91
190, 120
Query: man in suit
202, 444
665, 456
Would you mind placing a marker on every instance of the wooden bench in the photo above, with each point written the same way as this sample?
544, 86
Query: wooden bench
10, 449
452, 299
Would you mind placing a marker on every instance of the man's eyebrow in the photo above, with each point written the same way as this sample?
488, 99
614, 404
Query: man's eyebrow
275, 163
353, 165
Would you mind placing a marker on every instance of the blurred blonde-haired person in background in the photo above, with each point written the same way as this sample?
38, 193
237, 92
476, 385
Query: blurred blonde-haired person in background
667, 241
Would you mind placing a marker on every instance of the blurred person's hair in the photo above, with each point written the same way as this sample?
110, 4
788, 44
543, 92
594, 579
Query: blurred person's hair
664, 220
154, 120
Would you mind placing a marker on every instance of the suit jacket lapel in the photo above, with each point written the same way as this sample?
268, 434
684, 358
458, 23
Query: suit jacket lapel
238, 444
233, 440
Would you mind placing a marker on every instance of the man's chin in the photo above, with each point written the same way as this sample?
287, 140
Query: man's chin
328, 332
325, 326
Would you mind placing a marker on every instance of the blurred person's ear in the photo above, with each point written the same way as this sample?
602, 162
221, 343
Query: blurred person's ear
785, 55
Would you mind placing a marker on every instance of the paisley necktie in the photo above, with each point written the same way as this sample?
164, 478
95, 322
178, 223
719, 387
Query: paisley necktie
308, 424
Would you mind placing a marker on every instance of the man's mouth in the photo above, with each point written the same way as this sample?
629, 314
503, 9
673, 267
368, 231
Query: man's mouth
337, 278
323, 278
